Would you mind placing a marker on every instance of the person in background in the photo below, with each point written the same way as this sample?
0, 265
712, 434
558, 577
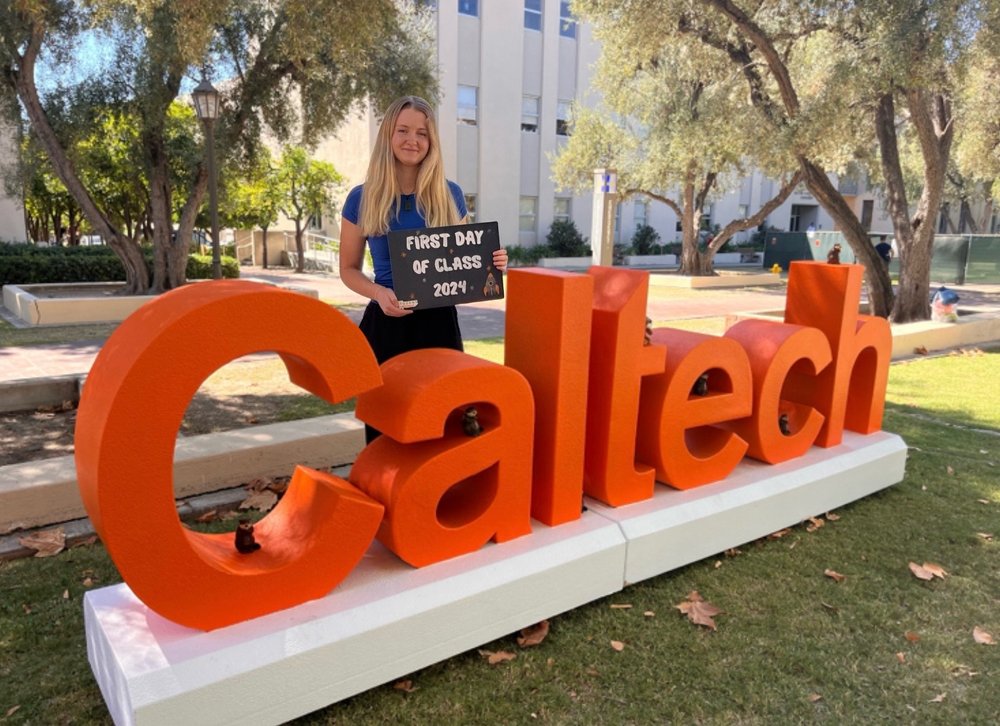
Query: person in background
405, 188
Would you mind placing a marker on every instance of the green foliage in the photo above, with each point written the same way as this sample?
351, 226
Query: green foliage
645, 241
523, 256
27, 264
305, 186
565, 240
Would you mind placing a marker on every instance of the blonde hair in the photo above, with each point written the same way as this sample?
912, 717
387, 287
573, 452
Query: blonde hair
382, 190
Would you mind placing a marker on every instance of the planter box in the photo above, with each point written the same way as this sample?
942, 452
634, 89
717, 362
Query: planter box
567, 263
651, 260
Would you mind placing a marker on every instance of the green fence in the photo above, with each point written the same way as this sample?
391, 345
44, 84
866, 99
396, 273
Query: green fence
955, 259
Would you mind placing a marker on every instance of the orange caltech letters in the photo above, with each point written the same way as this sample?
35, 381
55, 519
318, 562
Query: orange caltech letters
131, 409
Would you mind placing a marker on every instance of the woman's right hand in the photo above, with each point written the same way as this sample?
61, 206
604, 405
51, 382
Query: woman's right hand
386, 300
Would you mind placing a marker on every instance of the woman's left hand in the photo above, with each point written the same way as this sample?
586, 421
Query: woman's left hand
500, 259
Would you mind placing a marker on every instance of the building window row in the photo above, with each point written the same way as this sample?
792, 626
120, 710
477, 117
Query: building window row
469, 7
468, 105
533, 14
567, 23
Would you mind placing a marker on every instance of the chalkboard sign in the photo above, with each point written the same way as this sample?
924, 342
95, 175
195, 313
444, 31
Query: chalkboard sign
440, 266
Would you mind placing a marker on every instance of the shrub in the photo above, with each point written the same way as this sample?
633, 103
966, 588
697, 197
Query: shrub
26, 264
522, 256
565, 240
645, 240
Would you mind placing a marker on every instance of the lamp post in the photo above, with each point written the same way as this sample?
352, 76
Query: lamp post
206, 105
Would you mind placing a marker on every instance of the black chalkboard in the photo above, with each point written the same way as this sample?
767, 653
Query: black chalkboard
441, 266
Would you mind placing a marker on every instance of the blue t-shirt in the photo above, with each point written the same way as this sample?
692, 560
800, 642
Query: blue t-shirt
408, 218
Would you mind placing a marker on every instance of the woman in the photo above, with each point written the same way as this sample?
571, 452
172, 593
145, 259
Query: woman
405, 189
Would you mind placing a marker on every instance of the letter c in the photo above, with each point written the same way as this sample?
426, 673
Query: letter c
132, 406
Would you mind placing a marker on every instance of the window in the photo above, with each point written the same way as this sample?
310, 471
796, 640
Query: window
641, 213
533, 14
744, 211
528, 214
315, 221
618, 223
470, 205
561, 209
562, 118
567, 23
469, 7
468, 104
529, 114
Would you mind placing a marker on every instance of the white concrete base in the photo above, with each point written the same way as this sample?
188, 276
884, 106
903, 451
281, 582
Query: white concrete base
387, 620
676, 528
725, 278
651, 260
566, 263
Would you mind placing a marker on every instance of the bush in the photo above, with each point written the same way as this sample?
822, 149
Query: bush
26, 264
565, 240
645, 241
523, 256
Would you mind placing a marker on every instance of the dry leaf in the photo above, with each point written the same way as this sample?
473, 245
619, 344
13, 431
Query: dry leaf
262, 501
47, 543
985, 535
982, 637
500, 656
911, 636
65, 594
732, 552
718, 564
12, 710
87, 582
251, 419
259, 484
279, 486
983, 501
89, 541
834, 575
935, 570
698, 610
928, 571
618, 645
920, 350
210, 516
814, 524
649, 614
938, 698
831, 516
779, 534
814, 697
26, 608
901, 657
405, 686
620, 606
831, 608
534, 634
951, 472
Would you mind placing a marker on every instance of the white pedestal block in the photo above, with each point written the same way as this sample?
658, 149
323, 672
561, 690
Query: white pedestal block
384, 621
388, 619
676, 528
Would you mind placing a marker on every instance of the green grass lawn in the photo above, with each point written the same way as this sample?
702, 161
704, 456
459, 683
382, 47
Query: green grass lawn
792, 645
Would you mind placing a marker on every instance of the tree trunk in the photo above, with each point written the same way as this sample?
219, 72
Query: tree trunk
185, 226
879, 284
264, 246
23, 79
300, 263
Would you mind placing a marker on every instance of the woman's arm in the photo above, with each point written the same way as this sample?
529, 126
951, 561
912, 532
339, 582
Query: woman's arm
352, 256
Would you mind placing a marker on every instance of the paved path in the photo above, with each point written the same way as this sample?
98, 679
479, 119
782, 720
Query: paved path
478, 320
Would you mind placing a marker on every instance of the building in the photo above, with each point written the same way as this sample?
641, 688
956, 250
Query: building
11, 208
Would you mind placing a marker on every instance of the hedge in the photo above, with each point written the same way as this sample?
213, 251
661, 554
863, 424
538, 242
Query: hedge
25, 264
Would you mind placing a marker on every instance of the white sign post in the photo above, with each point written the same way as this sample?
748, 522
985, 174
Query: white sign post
603, 227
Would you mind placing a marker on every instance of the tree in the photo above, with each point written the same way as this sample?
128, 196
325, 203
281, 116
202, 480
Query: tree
675, 124
290, 75
253, 199
306, 187
975, 173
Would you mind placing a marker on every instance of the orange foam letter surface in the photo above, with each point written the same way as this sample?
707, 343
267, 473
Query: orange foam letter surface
851, 392
774, 350
131, 409
676, 431
548, 341
447, 493
618, 362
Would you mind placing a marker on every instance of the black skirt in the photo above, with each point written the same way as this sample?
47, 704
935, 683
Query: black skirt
388, 336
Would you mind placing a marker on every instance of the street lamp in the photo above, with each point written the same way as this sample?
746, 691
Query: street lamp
206, 105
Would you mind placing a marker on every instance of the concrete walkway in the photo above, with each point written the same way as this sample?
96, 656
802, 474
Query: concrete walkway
478, 320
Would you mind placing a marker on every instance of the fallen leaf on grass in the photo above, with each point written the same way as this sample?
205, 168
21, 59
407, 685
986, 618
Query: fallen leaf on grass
920, 350
733, 552
927, 571
779, 534
405, 686
87, 582
951, 472
47, 543
649, 614
982, 637
500, 656
698, 610
534, 634
618, 645
259, 484
65, 594
210, 516
262, 501
620, 606
834, 575
26, 608
901, 657
251, 419
829, 607
985, 535
88, 542
12, 710
832, 517
983, 501
911, 636
814, 697
938, 698
814, 524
